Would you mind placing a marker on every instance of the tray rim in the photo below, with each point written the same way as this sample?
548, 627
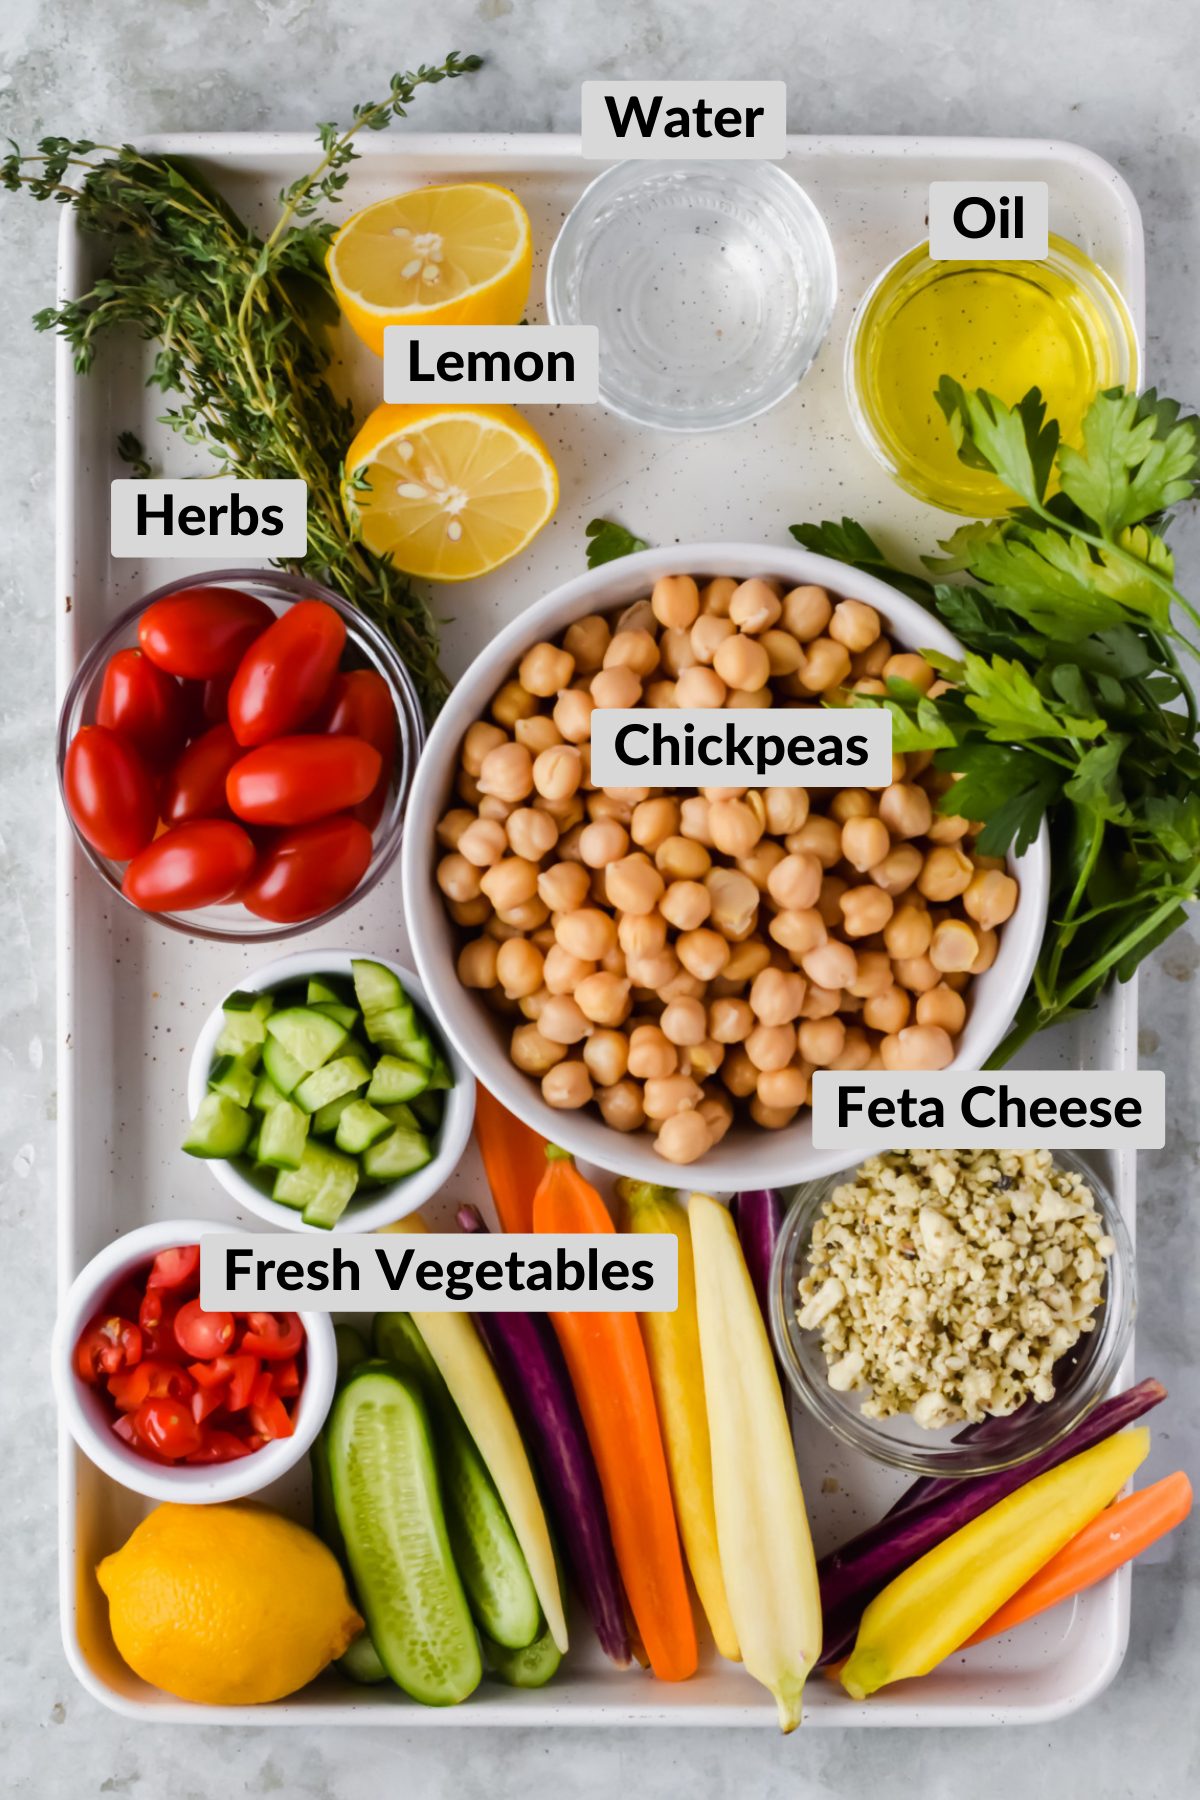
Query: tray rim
520, 149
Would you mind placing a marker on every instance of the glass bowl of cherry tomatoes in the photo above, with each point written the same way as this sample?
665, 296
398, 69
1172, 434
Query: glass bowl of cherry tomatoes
235, 754
175, 1402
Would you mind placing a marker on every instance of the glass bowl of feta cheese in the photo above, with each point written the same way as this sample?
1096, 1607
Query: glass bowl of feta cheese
953, 1312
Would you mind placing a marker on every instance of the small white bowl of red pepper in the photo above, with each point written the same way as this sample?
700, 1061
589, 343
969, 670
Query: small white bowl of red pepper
173, 1401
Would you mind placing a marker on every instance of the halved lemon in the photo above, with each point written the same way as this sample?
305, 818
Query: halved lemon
455, 255
449, 492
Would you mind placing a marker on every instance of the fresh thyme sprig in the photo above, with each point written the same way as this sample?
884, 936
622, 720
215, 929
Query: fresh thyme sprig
241, 327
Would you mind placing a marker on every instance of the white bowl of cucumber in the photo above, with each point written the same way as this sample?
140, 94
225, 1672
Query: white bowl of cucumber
323, 1096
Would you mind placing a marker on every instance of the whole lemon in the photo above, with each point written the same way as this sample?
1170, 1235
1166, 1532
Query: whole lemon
226, 1605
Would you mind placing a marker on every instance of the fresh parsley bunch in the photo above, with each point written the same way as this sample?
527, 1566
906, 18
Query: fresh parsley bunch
1070, 703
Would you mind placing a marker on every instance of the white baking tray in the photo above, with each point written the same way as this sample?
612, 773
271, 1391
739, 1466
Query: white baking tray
132, 995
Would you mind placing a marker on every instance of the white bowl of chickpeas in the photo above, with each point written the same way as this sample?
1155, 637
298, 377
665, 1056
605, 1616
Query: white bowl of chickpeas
650, 977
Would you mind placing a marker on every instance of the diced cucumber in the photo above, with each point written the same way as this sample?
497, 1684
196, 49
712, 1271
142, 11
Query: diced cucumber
347, 1016
396, 1155
400, 1113
266, 1094
360, 1126
244, 1026
389, 1508
313, 1038
440, 1076
321, 989
394, 1079
399, 1033
281, 1066
251, 1151
344, 1075
283, 1136
325, 1119
375, 987
428, 1108
322, 1186
220, 1129
233, 1078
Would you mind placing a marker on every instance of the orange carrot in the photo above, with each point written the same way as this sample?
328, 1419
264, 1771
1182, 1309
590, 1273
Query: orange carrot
1114, 1537
611, 1377
514, 1160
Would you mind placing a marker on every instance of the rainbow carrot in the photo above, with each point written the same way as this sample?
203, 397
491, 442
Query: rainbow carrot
514, 1160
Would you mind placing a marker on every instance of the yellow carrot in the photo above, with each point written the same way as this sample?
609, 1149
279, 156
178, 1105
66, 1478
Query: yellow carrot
673, 1349
948, 1593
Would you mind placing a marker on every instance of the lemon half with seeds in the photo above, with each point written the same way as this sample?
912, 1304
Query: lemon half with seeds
454, 255
449, 492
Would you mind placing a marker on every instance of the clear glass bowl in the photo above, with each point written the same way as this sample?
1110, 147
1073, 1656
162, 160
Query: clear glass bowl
712, 284
366, 648
1084, 1374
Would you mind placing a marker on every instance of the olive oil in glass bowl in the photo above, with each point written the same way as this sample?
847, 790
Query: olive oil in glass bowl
1059, 325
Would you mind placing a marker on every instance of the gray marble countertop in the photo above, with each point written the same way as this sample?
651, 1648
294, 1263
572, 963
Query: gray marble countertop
1097, 72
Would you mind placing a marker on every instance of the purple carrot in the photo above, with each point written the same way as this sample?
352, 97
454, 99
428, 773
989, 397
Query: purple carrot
852, 1575
758, 1215
535, 1379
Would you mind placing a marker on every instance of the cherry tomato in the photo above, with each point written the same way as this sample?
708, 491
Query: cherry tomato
110, 794
362, 707
238, 1373
285, 674
295, 779
305, 871
126, 1430
207, 1400
175, 1268
273, 1336
168, 1427
108, 1345
218, 1446
203, 1334
195, 786
271, 1418
286, 1377
202, 632
152, 1378
199, 863
144, 704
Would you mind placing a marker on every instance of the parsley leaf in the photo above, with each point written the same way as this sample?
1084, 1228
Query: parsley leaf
849, 542
1128, 468
1009, 789
607, 541
1002, 695
1016, 442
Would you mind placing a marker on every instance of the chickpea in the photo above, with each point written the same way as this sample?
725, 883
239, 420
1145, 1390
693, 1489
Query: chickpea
573, 715
675, 601
603, 842
783, 1090
730, 1021
703, 953
685, 1021
638, 616
682, 986
684, 1137
477, 963
562, 1020
749, 699
989, 943
907, 932
829, 901
470, 913
738, 1073
799, 930
717, 1113
652, 821
831, 964
693, 820
587, 640
531, 834
795, 883
948, 828
567, 1086
806, 612
706, 637
632, 649
511, 703
606, 1054
451, 826
507, 772
947, 873
519, 967
771, 1046
909, 667
716, 595
666, 1095
917, 1047
651, 1053
754, 606
771, 1118
871, 662
616, 687
887, 1012
458, 878
855, 625
558, 772
586, 933
659, 694
776, 996
685, 904
766, 855
784, 655
563, 972
905, 810
865, 911
734, 826
867, 684
532, 1053
621, 1106
856, 1050
851, 803
821, 1041
898, 870
822, 1002
699, 687
746, 958
567, 814
873, 975
641, 934
916, 973
990, 898
564, 886
675, 652
467, 789
510, 882
818, 838
545, 670
633, 884
480, 738
682, 859
742, 663
942, 1006
954, 947
865, 842
483, 843
654, 974
603, 999
826, 665
495, 812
